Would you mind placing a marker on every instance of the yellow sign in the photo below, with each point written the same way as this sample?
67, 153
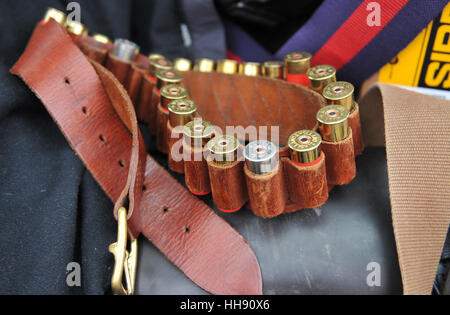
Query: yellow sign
425, 63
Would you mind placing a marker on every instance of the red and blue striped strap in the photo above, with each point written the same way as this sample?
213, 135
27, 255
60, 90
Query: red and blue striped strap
338, 34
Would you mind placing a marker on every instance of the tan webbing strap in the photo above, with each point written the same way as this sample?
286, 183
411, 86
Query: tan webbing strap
417, 134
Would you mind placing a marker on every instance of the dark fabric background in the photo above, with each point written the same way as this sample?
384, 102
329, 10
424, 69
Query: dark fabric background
52, 212
270, 22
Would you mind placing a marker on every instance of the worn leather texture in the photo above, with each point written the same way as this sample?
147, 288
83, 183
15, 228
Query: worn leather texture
238, 100
119, 68
134, 81
267, 193
340, 161
307, 184
228, 185
354, 121
153, 111
196, 170
96, 116
144, 105
162, 138
175, 144
94, 50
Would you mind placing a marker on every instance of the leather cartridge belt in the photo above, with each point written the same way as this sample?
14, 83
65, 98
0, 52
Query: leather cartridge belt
244, 100
98, 117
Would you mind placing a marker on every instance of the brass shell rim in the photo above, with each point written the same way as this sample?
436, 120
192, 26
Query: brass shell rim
224, 61
232, 144
192, 106
200, 60
330, 95
273, 64
155, 63
55, 14
165, 92
273, 69
305, 132
251, 63
204, 65
182, 64
76, 27
161, 75
306, 56
315, 78
187, 130
100, 38
333, 121
250, 68
154, 56
227, 66
181, 59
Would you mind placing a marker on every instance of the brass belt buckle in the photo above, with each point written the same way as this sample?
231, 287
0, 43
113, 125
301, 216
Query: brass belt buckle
124, 260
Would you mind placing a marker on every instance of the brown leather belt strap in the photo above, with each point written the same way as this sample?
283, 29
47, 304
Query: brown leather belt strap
94, 112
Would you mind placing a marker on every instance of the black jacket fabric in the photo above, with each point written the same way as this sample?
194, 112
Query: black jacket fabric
270, 22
